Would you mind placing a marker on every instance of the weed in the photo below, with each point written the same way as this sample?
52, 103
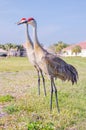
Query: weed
40, 126
11, 109
6, 98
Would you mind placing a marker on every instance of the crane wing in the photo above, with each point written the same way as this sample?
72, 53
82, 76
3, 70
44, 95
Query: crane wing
57, 67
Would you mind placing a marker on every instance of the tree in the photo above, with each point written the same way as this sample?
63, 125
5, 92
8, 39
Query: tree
59, 46
76, 49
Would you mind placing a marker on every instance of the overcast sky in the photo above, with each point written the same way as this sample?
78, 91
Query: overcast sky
57, 20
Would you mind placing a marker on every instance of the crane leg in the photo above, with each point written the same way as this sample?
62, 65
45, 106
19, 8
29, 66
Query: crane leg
38, 80
51, 95
43, 82
38, 83
56, 96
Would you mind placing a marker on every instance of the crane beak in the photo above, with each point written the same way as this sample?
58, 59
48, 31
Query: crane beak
18, 23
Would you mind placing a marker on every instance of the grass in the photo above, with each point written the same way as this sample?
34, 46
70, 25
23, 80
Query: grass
39, 126
25, 110
11, 109
6, 98
13, 64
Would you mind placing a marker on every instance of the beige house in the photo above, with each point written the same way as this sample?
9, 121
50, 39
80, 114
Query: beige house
68, 50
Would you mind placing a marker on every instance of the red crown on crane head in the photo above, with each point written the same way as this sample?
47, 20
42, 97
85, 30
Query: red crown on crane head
23, 19
31, 18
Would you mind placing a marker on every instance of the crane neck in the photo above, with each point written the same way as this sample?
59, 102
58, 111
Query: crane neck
35, 34
28, 39
36, 41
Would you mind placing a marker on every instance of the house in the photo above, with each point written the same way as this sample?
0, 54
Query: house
15, 52
3, 52
68, 50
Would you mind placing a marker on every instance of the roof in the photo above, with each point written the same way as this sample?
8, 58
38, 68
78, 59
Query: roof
81, 44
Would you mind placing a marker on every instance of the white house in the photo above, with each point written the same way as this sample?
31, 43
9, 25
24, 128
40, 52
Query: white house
12, 52
3, 52
68, 50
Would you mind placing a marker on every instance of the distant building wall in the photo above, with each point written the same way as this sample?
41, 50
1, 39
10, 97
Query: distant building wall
68, 50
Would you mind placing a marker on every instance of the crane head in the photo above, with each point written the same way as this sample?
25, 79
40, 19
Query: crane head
31, 21
22, 21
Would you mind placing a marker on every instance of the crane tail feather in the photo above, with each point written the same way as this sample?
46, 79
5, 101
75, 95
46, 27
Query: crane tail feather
73, 76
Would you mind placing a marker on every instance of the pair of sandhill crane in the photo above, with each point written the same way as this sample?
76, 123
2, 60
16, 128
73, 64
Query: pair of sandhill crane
46, 62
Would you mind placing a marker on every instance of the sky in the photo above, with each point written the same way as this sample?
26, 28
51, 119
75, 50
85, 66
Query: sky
57, 20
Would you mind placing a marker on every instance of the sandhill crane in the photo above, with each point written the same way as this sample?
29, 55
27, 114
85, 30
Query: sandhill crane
31, 56
52, 65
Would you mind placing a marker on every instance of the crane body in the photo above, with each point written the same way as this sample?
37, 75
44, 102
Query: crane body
52, 65
31, 55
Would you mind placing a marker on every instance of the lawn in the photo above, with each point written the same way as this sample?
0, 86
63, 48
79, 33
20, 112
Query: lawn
21, 108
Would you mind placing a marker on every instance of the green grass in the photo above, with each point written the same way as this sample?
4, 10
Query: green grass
14, 64
6, 98
18, 80
39, 126
11, 109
